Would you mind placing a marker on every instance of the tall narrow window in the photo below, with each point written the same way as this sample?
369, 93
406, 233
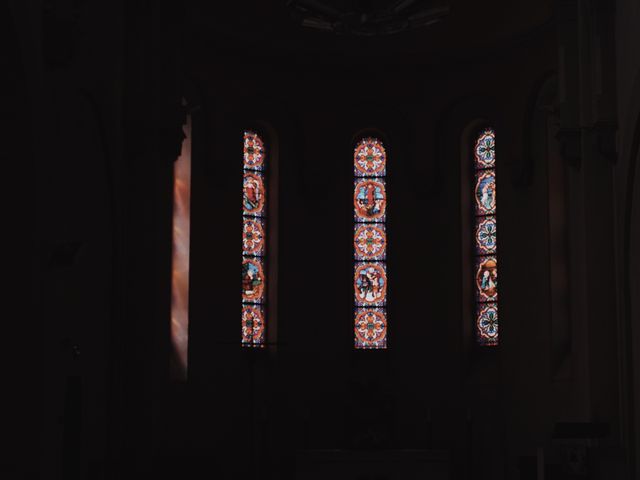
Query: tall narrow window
180, 260
254, 229
370, 244
485, 238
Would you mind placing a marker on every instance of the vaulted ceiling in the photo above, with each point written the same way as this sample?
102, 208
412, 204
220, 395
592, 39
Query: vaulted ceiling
273, 28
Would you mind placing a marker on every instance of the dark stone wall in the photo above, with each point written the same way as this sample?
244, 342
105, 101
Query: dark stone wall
96, 108
628, 81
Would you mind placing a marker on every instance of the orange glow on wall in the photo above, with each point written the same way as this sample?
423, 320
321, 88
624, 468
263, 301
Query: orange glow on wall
180, 261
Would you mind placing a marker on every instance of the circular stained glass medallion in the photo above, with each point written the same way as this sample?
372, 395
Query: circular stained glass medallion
253, 151
486, 235
252, 237
252, 280
370, 284
252, 194
371, 328
485, 151
488, 323
486, 193
370, 200
370, 242
252, 324
369, 158
487, 278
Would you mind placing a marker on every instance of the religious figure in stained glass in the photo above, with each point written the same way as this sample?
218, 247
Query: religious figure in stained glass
370, 200
486, 192
370, 284
485, 237
370, 244
487, 278
253, 194
252, 280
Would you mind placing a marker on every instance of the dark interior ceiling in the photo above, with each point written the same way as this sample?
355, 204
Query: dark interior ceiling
273, 29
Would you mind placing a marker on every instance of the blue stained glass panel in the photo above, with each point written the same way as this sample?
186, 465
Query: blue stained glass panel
485, 149
487, 323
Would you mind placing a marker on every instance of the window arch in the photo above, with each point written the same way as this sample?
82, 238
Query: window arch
254, 241
370, 244
485, 238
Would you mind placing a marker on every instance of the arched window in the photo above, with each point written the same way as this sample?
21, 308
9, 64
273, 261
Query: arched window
485, 238
254, 244
370, 244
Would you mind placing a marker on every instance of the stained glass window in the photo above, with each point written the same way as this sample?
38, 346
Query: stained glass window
254, 249
485, 239
370, 244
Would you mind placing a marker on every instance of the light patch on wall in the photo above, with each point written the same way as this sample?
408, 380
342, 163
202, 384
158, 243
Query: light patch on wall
180, 261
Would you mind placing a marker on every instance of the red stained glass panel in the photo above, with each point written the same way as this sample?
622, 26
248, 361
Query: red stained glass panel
371, 328
253, 194
370, 241
253, 236
253, 324
370, 200
254, 241
370, 244
370, 158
